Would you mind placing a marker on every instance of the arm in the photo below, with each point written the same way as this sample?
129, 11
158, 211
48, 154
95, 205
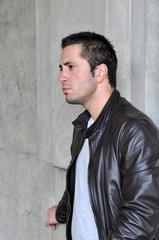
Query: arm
139, 214
58, 214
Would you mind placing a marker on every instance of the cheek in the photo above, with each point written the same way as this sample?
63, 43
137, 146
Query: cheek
82, 80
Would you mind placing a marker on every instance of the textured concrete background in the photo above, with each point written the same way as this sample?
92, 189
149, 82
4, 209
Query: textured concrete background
26, 175
35, 121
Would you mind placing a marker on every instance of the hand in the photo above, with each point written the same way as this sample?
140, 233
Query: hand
51, 219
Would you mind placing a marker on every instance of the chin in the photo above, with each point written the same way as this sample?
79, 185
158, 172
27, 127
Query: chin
72, 101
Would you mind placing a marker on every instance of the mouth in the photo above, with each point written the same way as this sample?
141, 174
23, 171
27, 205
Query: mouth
66, 90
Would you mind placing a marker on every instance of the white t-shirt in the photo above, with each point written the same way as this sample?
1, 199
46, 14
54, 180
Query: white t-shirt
83, 222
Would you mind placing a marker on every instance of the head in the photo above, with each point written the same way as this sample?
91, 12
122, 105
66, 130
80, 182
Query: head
96, 49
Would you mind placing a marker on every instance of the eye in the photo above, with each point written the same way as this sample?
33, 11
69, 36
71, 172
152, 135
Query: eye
60, 68
70, 66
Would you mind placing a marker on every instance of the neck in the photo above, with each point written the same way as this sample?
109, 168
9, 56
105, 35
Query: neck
96, 106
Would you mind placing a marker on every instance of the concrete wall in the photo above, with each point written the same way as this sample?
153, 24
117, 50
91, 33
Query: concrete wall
26, 172
35, 121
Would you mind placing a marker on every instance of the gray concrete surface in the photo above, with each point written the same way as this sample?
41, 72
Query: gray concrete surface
26, 171
35, 121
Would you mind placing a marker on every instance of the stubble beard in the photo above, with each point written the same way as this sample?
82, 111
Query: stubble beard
73, 101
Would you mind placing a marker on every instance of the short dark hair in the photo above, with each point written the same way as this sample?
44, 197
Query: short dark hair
96, 49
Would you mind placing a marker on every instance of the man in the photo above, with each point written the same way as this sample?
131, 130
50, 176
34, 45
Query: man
112, 182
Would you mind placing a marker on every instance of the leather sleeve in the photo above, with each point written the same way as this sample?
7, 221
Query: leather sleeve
63, 208
139, 215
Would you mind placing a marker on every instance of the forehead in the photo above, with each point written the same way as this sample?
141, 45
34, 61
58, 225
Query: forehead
71, 52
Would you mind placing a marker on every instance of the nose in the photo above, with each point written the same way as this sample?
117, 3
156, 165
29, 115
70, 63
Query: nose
62, 77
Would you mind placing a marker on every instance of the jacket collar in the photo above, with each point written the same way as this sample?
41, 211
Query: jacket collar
81, 122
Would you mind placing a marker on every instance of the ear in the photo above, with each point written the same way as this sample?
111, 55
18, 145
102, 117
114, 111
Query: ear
101, 72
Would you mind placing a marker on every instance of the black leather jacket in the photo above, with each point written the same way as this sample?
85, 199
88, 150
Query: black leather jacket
123, 173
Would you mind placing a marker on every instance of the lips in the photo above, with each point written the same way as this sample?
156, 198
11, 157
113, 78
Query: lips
66, 90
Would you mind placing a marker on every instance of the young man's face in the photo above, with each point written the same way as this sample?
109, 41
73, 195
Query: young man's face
77, 82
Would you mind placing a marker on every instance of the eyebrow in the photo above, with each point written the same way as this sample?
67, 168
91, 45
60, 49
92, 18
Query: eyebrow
66, 64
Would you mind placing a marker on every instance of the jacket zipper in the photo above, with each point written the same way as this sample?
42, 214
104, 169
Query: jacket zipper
90, 189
